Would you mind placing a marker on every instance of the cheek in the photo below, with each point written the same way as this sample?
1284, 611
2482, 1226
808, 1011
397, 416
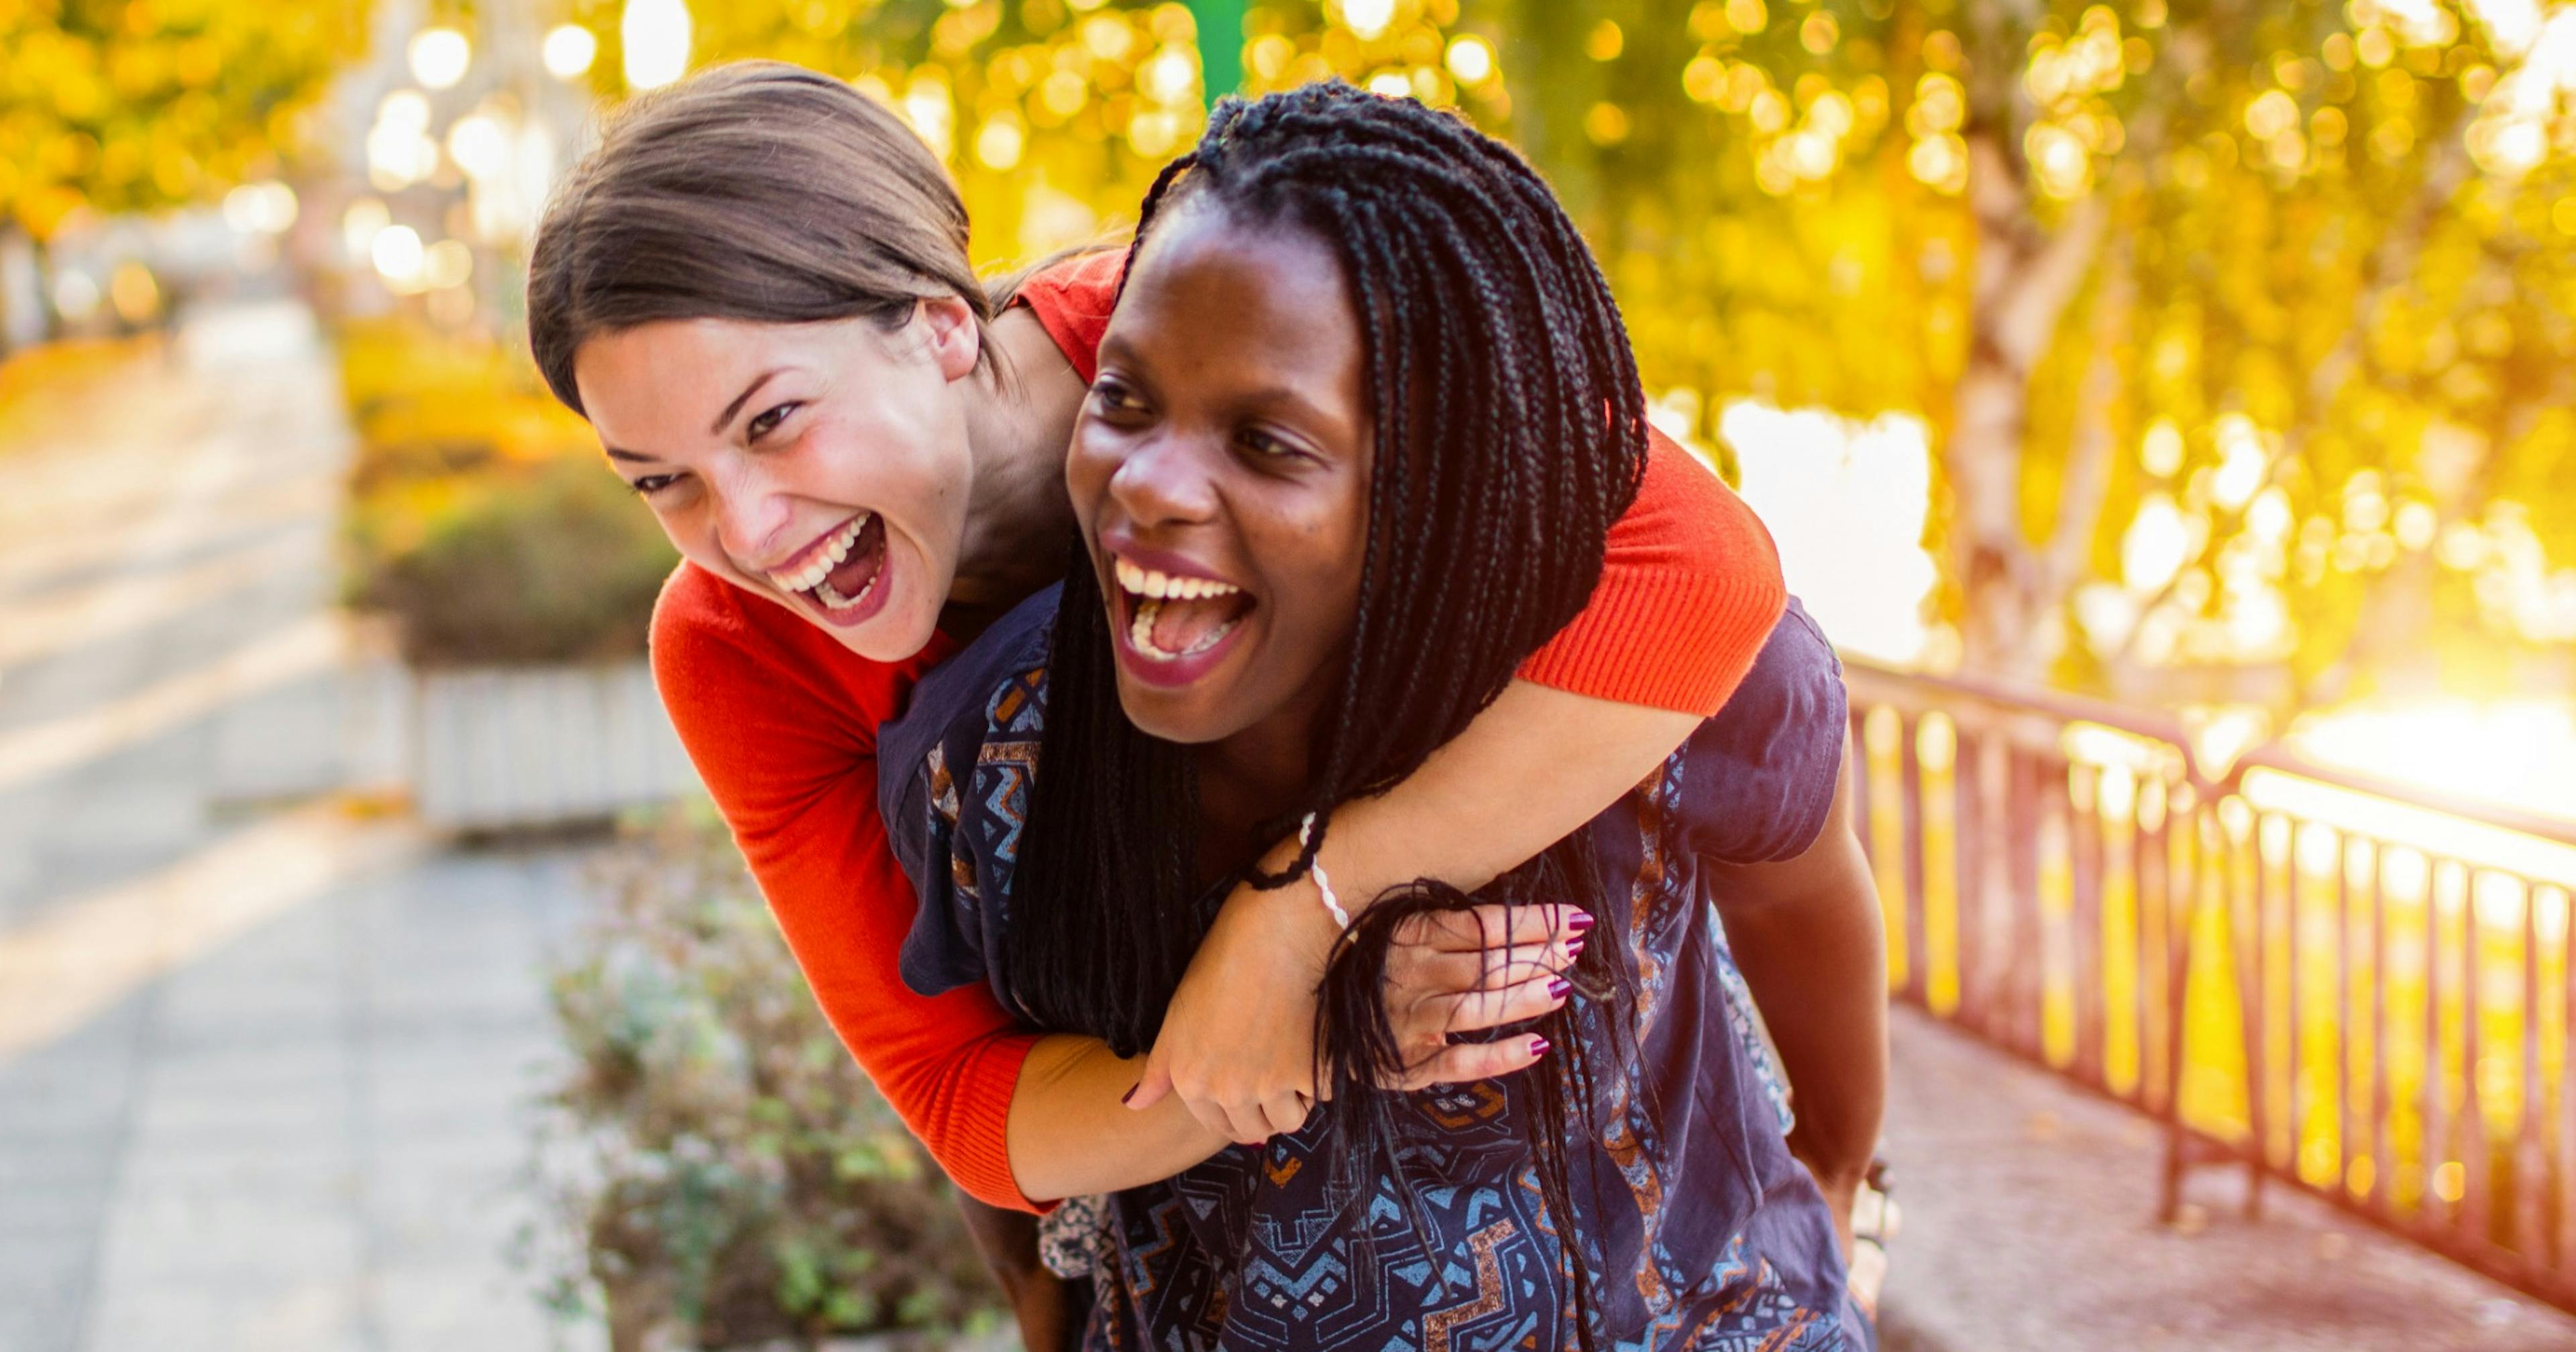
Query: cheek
1089, 464
892, 467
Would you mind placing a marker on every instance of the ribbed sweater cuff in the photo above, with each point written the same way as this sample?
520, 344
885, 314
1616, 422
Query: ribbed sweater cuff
979, 1154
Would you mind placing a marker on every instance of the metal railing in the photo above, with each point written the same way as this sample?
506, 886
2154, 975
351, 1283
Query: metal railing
2355, 988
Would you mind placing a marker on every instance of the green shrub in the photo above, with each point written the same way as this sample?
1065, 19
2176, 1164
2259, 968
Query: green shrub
481, 520
547, 563
732, 1177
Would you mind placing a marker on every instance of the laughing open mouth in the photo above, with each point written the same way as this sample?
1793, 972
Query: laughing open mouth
1172, 617
841, 569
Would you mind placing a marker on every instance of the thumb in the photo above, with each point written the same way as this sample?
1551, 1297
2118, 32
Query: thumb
1151, 1088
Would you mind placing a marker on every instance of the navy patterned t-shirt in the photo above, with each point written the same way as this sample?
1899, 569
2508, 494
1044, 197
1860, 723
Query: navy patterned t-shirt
1700, 1230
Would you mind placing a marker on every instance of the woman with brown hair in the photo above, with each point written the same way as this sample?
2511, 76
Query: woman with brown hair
757, 288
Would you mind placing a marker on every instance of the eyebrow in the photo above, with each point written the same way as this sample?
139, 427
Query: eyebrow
1115, 348
717, 427
637, 456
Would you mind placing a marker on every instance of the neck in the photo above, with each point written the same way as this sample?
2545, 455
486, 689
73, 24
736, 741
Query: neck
1250, 780
1018, 424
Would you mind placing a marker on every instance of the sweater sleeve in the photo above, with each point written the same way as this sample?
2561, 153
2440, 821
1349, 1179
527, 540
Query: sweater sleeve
781, 724
1689, 590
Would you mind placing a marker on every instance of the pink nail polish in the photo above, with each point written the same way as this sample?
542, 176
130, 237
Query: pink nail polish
1582, 921
1556, 988
1538, 1046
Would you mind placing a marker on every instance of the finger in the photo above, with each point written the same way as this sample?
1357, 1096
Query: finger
1529, 999
1285, 1113
1152, 1086
1463, 1061
1245, 1124
1490, 926
1437, 974
1210, 1116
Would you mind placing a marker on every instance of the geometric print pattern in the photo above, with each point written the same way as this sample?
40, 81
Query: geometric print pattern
1704, 1233
1265, 1247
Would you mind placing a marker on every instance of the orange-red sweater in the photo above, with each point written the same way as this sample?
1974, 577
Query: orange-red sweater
781, 723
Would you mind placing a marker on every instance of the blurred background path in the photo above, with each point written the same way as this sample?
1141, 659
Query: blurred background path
263, 1056
2030, 1226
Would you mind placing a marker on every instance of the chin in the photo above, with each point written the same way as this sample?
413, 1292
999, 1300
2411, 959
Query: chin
1191, 716
890, 638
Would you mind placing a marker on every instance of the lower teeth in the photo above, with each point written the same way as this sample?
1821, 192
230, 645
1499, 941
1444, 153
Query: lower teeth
834, 600
1141, 634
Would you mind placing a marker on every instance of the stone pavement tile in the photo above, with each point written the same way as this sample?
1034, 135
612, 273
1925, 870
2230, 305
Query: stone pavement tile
243, 1235
293, 1116
45, 1207
218, 1061
2029, 1224
438, 1309
289, 742
40, 1299
304, 1315
47, 1092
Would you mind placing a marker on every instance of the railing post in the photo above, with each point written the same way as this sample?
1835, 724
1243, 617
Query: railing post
1918, 953
2176, 939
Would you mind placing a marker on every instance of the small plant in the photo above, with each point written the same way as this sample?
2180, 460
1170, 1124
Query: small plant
728, 1174
480, 519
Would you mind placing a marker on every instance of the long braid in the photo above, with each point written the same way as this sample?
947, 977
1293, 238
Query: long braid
1510, 434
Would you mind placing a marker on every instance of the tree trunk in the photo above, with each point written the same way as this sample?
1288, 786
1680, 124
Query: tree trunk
2025, 278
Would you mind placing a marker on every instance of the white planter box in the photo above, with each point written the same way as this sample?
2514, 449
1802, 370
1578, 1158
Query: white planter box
508, 747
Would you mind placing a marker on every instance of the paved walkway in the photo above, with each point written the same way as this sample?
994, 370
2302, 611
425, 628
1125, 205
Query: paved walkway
264, 1060
2029, 1225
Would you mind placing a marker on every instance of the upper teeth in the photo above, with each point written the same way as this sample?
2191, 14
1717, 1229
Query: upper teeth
1160, 586
825, 559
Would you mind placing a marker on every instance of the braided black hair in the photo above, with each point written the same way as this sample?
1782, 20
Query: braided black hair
1510, 435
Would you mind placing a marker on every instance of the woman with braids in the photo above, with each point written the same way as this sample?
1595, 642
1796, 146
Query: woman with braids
756, 287
1364, 419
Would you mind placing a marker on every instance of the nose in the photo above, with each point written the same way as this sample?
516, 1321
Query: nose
1166, 480
750, 515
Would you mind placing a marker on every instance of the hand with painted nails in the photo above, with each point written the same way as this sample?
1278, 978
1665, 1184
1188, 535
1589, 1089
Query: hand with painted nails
1467, 970
1446, 972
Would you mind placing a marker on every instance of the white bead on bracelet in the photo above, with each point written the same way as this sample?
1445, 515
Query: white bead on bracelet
1323, 882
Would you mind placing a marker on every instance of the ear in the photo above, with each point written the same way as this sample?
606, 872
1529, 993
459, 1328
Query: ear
956, 340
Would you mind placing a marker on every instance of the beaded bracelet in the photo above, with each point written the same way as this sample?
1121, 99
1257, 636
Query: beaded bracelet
1323, 882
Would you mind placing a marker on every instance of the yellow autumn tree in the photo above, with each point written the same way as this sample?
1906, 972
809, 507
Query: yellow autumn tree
125, 105
2243, 332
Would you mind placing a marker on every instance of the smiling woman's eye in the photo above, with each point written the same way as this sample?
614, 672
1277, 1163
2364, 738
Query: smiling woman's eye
650, 484
767, 420
1112, 396
1262, 443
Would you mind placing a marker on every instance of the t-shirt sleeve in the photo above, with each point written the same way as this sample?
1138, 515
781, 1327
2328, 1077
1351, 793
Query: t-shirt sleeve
1758, 779
1690, 587
780, 722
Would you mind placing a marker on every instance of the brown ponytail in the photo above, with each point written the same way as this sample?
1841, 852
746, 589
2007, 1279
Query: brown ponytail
757, 191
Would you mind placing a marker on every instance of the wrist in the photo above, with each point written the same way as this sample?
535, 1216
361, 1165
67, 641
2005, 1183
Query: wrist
1293, 917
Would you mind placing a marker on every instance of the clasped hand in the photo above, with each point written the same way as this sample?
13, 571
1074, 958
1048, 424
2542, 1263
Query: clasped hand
1238, 1040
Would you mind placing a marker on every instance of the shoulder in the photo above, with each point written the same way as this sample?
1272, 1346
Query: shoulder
1072, 300
1690, 585
953, 781
1760, 774
964, 699
1682, 506
760, 694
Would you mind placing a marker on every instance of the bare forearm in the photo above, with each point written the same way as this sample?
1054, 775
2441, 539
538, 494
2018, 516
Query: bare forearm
1529, 770
1070, 1135
1817, 966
